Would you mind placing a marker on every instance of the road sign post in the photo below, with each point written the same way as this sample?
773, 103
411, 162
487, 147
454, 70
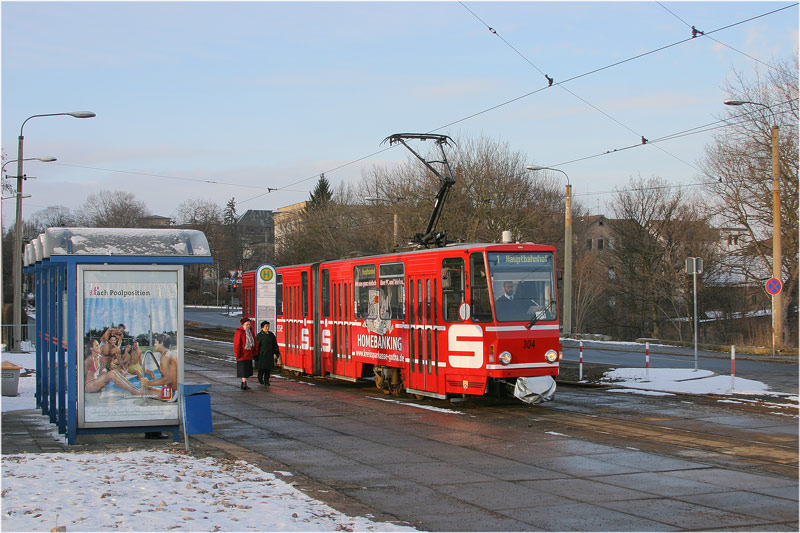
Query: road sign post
694, 266
773, 286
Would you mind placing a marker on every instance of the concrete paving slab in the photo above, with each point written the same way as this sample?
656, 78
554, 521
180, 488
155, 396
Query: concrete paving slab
371, 452
410, 502
789, 492
789, 526
684, 515
583, 466
509, 470
565, 445
583, 517
585, 490
735, 480
660, 483
435, 473
453, 453
747, 503
310, 456
467, 521
649, 461
499, 495
346, 476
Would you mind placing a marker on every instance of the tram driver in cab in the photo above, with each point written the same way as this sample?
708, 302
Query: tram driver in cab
503, 304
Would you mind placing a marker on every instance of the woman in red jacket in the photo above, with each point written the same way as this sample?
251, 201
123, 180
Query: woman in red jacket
244, 348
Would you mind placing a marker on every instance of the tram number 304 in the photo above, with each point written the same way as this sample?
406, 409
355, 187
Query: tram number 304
528, 344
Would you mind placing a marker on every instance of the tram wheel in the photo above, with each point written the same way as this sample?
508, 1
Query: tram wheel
379, 380
297, 373
419, 396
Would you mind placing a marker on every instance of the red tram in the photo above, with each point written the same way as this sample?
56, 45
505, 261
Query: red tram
459, 320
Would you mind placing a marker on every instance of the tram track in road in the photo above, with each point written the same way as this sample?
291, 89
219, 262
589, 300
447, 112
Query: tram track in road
692, 437
665, 426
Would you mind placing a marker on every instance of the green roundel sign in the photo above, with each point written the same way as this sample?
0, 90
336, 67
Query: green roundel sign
266, 274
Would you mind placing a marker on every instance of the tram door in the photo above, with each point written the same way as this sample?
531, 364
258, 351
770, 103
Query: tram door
334, 331
423, 348
316, 345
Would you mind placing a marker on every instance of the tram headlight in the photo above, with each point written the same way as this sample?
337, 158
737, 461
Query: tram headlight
551, 356
505, 358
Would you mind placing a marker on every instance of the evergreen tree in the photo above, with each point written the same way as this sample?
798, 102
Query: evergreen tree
230, 212
321, 195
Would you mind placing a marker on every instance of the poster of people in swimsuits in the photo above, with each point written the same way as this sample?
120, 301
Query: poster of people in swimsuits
129, 363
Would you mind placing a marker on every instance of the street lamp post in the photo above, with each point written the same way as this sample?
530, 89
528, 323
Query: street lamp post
567, 249
17, 325
777, 309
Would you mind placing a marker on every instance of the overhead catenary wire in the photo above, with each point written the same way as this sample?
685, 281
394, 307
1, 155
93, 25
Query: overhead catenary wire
563, 87
287, 187
550, 84
695, 32
668, 137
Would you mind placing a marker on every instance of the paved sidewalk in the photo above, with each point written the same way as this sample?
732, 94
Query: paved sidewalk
30, 431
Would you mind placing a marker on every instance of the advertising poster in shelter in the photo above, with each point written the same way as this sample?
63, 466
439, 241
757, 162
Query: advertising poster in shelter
130, 344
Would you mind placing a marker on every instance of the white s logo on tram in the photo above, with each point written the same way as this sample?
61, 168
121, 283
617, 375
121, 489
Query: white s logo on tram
326, 340
304, 344
456, 343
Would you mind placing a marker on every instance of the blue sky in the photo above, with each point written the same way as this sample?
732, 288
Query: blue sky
267, 94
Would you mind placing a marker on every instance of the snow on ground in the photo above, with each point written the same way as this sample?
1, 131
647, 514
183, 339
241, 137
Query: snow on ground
678, 380
159, 491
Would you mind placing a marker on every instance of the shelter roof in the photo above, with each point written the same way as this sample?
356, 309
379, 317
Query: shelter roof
121, 242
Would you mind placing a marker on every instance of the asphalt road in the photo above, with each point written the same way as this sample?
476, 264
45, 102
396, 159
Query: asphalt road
211, 316
590, 460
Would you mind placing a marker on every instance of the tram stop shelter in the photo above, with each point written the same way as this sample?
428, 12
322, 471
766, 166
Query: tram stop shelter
109, 326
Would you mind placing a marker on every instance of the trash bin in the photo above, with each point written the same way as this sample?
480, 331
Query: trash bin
11, 378
196, 409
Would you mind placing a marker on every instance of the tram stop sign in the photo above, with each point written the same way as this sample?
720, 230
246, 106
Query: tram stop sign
773, 286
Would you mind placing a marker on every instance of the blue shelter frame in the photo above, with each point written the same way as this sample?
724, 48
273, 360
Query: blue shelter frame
53, 259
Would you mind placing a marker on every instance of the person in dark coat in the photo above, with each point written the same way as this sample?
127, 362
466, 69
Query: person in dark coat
244, 348
267, 351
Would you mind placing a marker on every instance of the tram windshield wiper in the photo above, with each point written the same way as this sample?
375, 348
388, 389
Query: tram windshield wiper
538, 315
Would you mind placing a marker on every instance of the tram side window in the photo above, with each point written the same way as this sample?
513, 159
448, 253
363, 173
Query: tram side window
479, 289
453, 290
304, 292
365, 291
392, 281
279, 295
326, 291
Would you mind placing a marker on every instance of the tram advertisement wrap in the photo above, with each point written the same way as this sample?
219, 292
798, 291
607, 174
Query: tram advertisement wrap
130, 364
379, 348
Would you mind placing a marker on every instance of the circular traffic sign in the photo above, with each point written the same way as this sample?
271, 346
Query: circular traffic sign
773, 286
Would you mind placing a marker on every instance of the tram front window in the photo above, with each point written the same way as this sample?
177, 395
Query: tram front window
523, 287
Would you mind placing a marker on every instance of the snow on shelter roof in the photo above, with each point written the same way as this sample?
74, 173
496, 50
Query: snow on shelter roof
38, 247
124, 241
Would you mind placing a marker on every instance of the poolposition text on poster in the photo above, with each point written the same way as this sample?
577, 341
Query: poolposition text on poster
131, 345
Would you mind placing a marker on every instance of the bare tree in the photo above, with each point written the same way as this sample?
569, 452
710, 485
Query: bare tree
205, 216
493, 192
655, 228
53, 216
112, 209
739, 163
198, 213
